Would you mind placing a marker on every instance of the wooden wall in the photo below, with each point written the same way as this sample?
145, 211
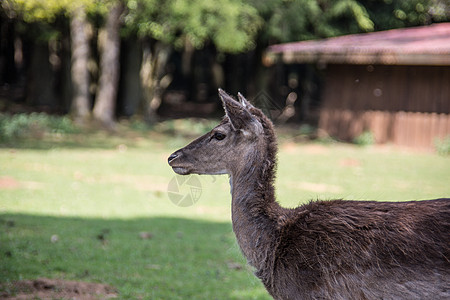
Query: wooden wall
402, 105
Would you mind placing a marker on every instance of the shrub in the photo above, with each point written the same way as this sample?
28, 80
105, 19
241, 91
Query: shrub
365, 139
34, 125
442, 146
307, 130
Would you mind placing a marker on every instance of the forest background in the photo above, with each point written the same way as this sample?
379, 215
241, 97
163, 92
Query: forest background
102, 60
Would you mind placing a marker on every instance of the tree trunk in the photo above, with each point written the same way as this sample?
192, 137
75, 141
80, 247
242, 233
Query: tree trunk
8, 70
40, 81
130, 89
109, 39
80, 108
154, 79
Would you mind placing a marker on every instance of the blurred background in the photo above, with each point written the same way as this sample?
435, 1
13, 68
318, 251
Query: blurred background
106, 61
96, 94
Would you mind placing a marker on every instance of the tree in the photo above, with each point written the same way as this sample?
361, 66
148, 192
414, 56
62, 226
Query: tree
33, 11
104, 108
47, 11
231, 25
79, 72
388, 14
296, 20
228, 26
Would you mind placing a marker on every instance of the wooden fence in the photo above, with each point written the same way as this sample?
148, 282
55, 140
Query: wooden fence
410, 129
402, 105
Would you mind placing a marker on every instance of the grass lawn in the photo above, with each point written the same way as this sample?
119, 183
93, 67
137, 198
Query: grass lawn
96, 208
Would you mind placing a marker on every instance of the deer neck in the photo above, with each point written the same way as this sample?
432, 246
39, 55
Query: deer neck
255, 212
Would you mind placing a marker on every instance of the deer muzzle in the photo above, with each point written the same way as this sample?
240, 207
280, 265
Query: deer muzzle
176, 165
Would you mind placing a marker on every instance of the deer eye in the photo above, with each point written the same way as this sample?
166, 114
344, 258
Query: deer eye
219, 136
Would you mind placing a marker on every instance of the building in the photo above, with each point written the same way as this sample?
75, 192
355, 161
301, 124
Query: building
395, 83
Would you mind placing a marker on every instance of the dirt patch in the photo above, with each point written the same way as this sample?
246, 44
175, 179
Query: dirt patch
44, 288
316, 149
289, 147
350, 162
10, 183
7, 182
294, 148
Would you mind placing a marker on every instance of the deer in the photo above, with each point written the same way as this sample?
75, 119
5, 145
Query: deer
324, 249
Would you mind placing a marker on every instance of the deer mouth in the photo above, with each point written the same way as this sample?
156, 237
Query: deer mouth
181, 170
177, 168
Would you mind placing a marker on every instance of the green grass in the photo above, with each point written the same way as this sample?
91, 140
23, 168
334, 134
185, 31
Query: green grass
94, 193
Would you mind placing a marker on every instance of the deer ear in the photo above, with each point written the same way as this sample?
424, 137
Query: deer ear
245, 103
240, 118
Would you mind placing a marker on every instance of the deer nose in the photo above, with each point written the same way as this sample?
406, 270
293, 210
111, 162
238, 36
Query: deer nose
172, 157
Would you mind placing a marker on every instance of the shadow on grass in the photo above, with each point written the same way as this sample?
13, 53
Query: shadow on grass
147, 258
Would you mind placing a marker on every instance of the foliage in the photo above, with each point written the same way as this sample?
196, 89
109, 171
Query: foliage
233, 24
19, 126
365, 139
293, 20
48, 10
45, 20
387, 14
442, 146
307, 130
230, 24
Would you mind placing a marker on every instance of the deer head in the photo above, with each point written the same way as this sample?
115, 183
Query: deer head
231, 144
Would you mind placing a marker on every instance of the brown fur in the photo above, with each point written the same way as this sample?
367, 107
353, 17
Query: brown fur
324, 249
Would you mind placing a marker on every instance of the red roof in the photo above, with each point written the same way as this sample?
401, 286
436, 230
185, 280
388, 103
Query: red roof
427, 45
